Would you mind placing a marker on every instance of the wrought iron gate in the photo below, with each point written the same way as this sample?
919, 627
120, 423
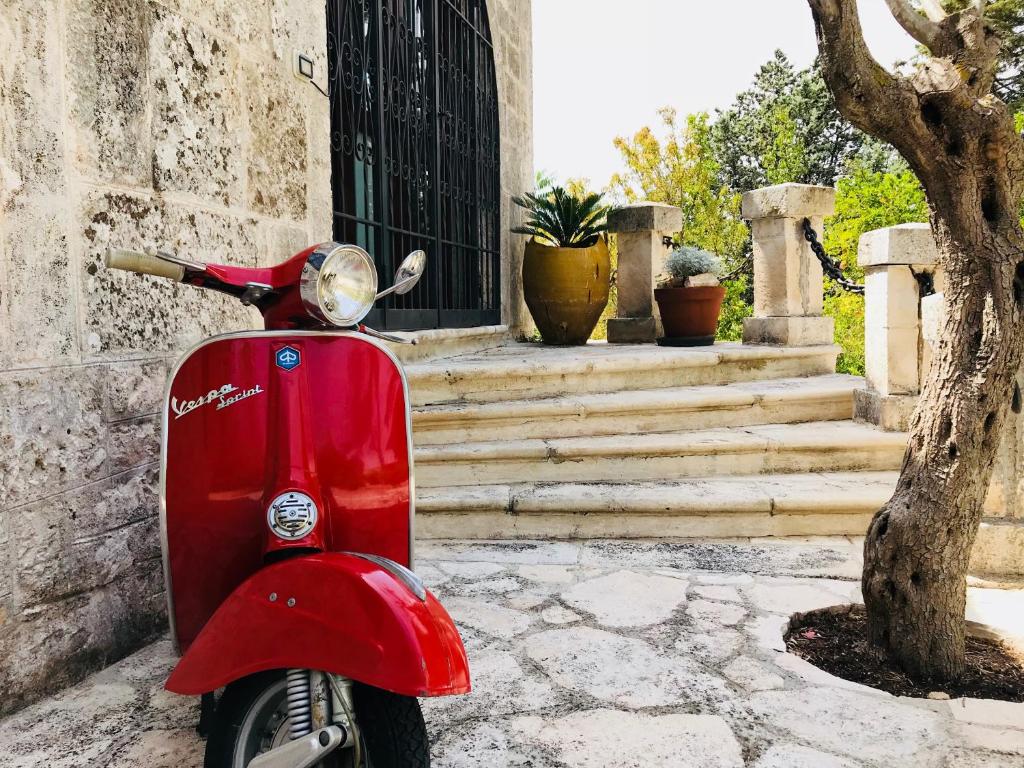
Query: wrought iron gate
414, 152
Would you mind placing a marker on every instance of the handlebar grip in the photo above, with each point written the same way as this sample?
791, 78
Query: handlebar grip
142, 263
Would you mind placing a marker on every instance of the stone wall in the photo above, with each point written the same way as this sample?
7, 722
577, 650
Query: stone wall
512, 37
131, 122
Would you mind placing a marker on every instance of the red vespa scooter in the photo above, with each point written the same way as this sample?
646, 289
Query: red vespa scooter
287, 524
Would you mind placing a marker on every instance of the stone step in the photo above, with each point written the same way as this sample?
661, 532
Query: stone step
810, 504
766, 449
527, 371
447, 342
777, 401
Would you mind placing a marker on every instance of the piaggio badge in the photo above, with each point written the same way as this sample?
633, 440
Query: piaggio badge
288, 358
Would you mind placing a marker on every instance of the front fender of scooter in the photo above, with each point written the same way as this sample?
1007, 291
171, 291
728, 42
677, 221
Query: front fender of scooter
335, 612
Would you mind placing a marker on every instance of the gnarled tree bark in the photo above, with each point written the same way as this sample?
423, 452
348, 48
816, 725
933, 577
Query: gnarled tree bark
960, 141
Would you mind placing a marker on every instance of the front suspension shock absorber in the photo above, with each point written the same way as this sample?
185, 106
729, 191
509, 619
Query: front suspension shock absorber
300, 711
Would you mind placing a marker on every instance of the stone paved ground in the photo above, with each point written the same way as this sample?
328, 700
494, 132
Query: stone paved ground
601, 655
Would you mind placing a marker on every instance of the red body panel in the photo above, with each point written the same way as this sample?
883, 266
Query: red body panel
282, 308
349, 617
334, 427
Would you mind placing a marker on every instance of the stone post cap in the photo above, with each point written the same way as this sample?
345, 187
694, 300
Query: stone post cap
791, 201
641, 217
906, 244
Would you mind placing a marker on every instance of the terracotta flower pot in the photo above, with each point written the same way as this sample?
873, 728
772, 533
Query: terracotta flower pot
690, 315
566, 289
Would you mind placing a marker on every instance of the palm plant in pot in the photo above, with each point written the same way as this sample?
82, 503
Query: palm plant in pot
689, 297
567, 267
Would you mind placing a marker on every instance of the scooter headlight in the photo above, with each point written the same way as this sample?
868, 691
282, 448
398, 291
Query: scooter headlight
339, 284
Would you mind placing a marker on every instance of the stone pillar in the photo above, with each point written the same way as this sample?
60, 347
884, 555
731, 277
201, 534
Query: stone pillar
640, 231
999, 547
788, 290
895, 357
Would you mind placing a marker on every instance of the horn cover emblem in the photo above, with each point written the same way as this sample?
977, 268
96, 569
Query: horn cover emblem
292, 515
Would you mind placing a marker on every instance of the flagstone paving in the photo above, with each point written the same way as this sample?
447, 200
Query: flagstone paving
601, 655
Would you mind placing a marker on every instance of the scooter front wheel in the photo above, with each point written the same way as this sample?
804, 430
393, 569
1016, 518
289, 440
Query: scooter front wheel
252, 718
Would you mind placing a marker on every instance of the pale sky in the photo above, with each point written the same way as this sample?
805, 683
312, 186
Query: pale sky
602, 69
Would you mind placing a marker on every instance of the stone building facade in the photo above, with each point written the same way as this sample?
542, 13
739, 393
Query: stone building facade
176, 123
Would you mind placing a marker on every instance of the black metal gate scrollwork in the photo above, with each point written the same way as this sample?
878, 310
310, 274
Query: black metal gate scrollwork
414, 152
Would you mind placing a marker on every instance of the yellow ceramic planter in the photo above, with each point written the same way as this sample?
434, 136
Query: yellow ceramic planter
566, 289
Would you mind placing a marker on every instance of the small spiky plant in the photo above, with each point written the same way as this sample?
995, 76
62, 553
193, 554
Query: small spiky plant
687, 261
563, 220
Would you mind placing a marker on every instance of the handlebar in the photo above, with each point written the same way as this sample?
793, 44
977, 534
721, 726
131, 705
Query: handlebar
143, 264
249, 285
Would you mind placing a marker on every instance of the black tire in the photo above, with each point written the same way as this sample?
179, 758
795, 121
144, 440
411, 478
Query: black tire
234, 705
392, 728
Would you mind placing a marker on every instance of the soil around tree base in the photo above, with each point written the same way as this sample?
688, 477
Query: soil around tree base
836, 641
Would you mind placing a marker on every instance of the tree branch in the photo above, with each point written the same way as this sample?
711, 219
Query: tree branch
858, 81
933, 10
925, 31
940, 117
875, 100
979, 46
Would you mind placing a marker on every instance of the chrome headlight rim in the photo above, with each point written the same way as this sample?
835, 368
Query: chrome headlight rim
313, 272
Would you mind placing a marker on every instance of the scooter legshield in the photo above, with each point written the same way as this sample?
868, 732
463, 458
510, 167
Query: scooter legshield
251, 415
334, 612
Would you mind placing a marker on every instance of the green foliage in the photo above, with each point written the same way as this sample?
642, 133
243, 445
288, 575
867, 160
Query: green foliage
687, 261
563, 219
868, 200
875, 155
865, 200
681, 170
785, 158
610, 310
543, 182
577, 187
847, 310
785, 127
735, 307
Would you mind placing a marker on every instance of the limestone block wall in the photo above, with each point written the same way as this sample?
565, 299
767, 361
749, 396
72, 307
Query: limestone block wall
512, 37
133, 123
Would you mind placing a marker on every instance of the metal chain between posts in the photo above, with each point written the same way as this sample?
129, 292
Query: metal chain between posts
925, 283
743, 265
831, 268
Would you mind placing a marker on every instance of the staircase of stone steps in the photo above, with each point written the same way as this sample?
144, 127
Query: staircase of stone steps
528, 441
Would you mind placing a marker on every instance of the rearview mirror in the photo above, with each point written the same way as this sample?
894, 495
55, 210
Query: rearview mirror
408, 274
410, 271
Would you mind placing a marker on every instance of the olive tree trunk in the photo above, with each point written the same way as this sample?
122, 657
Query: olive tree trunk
960, 141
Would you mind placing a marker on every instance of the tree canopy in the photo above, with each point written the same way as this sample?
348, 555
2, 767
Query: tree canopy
682, 170
785, 127
866, 200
